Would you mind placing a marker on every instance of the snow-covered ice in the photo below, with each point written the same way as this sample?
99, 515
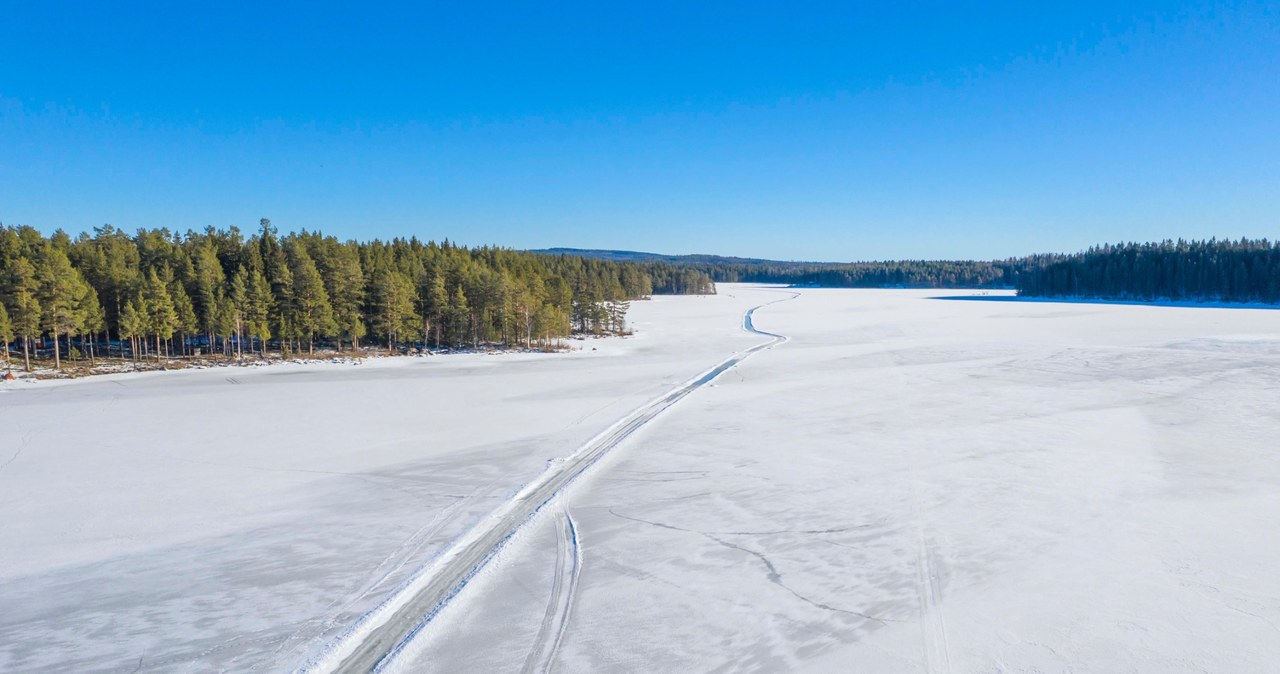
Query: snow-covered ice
908, 484
921, 485
238, 518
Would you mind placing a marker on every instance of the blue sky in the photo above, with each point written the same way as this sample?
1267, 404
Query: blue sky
841, 131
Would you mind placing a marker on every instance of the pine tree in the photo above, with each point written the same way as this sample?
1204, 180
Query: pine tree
209, 282
185, 314
437, 307
225, 323
345, 282
238, 300
459, 315
283, 310
92, 318
313, 315
25, 310
6, 332
60, 287
133, 324
162, 320
394, 306
258, 310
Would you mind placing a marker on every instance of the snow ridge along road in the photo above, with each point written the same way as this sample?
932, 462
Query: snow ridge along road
379, 636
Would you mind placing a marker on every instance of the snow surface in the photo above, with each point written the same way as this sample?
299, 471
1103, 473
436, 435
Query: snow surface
239, 519
908, 484
931, 486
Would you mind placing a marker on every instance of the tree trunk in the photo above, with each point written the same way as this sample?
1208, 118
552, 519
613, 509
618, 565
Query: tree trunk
26, 352
57, 355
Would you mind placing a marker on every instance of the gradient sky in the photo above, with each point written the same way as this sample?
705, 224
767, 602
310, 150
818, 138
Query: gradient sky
840, 131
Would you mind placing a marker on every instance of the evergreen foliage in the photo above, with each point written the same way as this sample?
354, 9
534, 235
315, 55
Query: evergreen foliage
889, 274
220, 291
1227, 271
6, 331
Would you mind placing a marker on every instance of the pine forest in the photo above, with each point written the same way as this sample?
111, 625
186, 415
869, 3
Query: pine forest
159, 294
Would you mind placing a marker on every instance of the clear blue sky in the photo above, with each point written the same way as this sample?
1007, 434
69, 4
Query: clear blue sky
786, 130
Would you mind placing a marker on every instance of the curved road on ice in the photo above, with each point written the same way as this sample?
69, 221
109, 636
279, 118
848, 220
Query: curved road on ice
380, 635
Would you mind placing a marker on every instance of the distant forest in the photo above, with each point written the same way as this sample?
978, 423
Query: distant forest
891, 274
1215, 270
1226, 271
885, 274
158, 293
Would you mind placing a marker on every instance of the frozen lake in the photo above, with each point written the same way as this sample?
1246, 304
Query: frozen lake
907, 484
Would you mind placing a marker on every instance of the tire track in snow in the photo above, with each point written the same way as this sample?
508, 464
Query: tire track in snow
563, 591
933, 625
379, 636
393, 563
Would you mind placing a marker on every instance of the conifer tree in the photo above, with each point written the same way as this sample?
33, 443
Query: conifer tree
344, 280
313, 315
209, 284
185, 314
6, 332
283, 310
60, 287
162, 320
258, 310
460, 315
394, 306
437, 307
116, 274
92, 318
133, 324
225, 323
25, 309
238, 301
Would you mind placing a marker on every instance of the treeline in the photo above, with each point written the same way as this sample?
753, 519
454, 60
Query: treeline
890, 274
1228, 271
160, 292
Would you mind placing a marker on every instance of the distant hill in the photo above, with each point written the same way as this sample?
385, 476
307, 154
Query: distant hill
635, 256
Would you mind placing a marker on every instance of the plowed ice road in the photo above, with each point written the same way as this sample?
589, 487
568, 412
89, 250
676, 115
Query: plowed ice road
378, 637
